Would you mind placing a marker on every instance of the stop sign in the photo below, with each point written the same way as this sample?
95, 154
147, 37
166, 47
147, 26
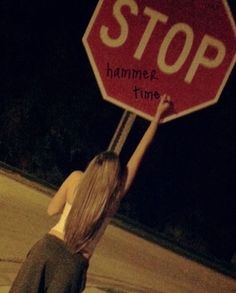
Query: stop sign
140, 49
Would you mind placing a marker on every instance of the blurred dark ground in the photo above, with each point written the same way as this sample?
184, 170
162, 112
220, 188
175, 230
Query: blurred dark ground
53, 120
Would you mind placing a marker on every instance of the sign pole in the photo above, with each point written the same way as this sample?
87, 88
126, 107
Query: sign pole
122, 132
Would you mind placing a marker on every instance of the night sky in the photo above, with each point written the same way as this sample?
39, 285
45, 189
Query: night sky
53, 120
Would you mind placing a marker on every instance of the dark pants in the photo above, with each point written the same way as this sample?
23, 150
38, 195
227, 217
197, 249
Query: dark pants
50, 267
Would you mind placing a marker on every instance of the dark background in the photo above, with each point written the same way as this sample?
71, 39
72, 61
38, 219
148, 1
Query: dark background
53, 120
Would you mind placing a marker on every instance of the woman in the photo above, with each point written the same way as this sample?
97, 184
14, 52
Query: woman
58, 262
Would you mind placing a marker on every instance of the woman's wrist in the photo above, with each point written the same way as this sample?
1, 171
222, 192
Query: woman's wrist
157, 117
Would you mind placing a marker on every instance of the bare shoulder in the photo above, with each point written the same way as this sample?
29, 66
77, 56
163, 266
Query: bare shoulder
75, 175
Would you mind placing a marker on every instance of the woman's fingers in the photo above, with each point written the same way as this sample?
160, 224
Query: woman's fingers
166, 98
164, 105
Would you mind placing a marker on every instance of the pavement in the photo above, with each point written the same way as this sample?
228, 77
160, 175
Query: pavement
123, 262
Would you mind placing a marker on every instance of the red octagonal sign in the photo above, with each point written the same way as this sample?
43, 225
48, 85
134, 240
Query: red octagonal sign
140, 49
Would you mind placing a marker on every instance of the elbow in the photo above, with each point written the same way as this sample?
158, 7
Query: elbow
50, 211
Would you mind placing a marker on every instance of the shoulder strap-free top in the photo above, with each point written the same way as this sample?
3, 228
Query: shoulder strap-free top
60, 226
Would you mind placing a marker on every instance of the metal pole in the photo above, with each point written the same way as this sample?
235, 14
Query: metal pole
122, 132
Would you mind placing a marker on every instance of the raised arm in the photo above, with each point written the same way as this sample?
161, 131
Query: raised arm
137, 156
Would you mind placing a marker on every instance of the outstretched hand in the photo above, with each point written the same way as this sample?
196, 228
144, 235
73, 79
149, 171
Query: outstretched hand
137, 156
164, 105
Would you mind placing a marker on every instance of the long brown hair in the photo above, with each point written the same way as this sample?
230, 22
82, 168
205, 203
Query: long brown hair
96, 194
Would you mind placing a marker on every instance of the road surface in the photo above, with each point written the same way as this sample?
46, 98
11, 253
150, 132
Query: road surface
123, 262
